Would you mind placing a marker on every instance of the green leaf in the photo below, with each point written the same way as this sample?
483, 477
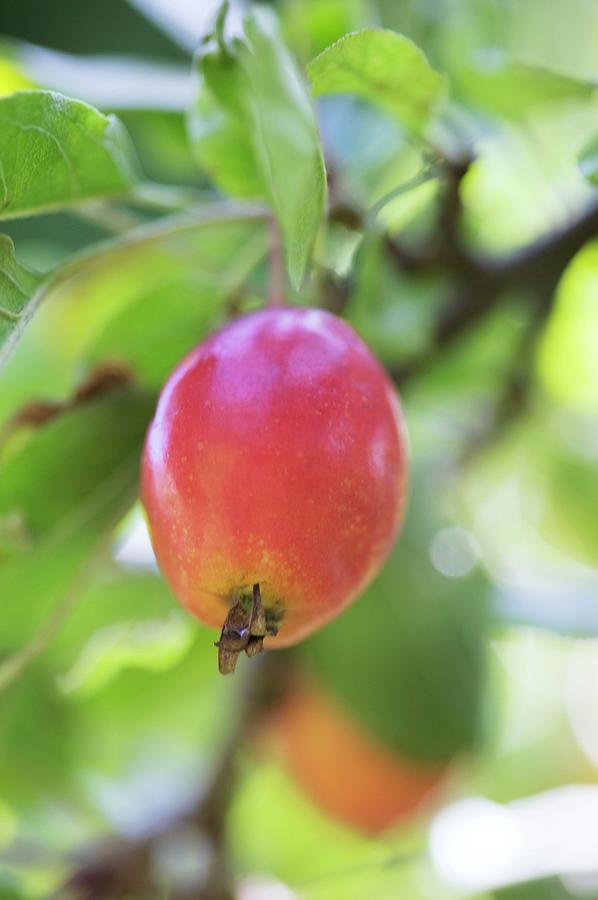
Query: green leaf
18, 285
383, 67
408, 658
61, 493
148, 709
255, 134
143, 243
165, 316
116, 597
311, 25
55, 151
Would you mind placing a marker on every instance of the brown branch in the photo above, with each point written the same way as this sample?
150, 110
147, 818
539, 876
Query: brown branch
451, 210
276, 271
536, 269
104, 378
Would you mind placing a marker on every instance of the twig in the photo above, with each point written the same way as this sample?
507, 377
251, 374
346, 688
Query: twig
451, 209
276, 274
537, 269
424, 175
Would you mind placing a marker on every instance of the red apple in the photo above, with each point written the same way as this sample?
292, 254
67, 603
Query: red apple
274, 476
346, 770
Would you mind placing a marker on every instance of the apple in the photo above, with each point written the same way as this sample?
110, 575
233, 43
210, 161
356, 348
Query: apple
349, 772
274, 476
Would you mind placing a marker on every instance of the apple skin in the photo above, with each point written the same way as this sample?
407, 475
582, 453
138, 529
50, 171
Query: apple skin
277, 455
348, 772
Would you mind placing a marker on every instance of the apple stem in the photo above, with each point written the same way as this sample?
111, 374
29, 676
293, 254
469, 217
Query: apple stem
276, 275
243, 631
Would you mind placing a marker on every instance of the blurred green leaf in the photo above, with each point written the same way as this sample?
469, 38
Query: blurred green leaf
36, 729
545, 889
162, 143
512, 90
116, 596
57, 151
383, 67
571, 500
408, 658
65, 487
186, 704
311, 25
559, 36
539, 493
255, 134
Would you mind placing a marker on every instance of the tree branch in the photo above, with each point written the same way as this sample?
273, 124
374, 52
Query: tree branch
537, 269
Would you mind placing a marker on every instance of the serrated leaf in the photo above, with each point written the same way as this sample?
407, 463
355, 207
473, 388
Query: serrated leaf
55, 151
408, 658
255, 134
383, 67
67, 486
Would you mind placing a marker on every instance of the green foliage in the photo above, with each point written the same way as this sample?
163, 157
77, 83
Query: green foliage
112, 716
254, 132
383, 67
56, 151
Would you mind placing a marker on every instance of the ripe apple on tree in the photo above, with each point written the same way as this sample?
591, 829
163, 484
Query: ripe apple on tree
274, 476
349, 772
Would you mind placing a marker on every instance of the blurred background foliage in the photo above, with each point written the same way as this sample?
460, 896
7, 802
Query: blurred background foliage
475, 650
